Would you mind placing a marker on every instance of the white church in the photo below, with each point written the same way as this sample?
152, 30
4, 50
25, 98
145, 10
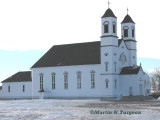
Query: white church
101, 69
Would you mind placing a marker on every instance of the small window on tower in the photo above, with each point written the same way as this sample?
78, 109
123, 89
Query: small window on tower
125, 32
114, 28
106, 28
132, 32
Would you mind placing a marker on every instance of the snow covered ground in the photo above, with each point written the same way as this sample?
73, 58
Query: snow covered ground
51, 109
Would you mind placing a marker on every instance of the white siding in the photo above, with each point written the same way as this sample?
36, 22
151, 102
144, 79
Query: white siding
16, 90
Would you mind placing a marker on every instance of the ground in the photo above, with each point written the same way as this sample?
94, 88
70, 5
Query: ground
49, 109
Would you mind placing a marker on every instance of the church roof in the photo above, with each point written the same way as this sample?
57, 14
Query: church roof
71, 54
130, 70
19, 77
108, 13
127, 19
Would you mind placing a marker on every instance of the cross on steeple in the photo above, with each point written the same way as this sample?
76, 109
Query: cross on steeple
127, 10
108, 3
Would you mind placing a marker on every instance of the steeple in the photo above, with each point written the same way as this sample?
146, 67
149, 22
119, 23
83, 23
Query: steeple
128, 28
109, 13
109, 24
127, 19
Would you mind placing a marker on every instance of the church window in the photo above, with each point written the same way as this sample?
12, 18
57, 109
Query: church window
106, 64
23, 88
125, 32
106, 27
53, 81
41, 81
115, 54
132, 31
92, 79
125, 29
114, 27
115, 63
79, 80
65, 80
123, 58
9, 88
115, 83
107, 83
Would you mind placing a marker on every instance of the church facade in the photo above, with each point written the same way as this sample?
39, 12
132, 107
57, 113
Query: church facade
101, 69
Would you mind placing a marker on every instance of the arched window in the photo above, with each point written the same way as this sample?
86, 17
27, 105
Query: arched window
106, 27
125, 29
53, 80
132, 31
107, 83
123, 58
106, 65
65, 80
41, 81
114, 27
92, 79
115, 83
79, 80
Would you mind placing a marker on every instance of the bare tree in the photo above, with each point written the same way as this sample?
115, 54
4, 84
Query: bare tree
155, 79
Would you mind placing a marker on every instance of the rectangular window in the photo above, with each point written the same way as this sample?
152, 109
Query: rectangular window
41, 82
106, 67
79, 81
106, 83
9, 88
115, 83
106, 28
132, 32
65, 81
114, 28
23, 88
53, 82
125, 32
115, 66
92, 80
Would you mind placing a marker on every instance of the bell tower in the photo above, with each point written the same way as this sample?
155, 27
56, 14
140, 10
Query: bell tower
128, 35
109, 41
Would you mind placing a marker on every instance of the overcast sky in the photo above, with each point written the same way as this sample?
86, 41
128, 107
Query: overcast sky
27, 25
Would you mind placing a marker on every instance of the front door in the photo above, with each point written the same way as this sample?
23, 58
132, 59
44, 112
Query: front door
140, 89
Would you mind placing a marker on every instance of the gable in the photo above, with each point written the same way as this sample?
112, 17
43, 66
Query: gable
71, 54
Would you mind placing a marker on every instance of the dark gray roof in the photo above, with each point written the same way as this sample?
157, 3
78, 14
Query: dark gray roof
130, 70
71, 54
127, 19
19, 77
108, 13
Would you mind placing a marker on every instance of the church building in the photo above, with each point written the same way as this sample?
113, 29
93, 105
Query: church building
101, 69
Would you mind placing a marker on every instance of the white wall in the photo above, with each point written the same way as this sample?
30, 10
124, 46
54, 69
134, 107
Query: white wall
134, 81
72, 91
16, 90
